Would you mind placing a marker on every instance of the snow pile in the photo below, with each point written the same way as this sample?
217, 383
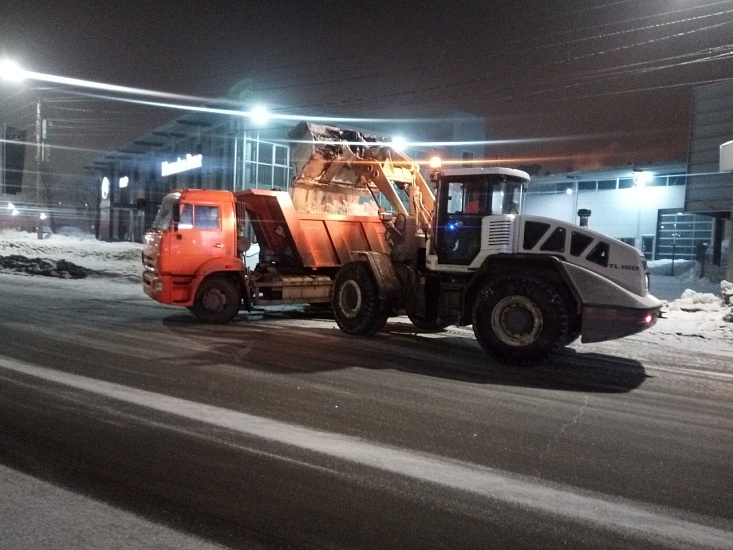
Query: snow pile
726, 289
71, 255
40, 266
699, 322
692, 301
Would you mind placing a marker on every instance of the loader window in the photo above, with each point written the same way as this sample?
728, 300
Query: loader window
466, 198
455, 197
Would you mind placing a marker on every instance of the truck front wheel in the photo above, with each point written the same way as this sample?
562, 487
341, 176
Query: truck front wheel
520, 320
217, 301
356, 304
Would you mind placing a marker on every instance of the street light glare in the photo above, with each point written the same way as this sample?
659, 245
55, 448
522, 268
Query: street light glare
399, 143
642, 178
259, 115
9, 70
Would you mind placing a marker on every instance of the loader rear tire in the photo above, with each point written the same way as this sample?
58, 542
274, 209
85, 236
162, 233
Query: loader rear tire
356, 304
217, 301
520, 321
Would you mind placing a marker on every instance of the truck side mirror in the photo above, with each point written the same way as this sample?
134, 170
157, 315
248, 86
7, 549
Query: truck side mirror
176, 217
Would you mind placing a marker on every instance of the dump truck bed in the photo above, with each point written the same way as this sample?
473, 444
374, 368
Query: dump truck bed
309, 240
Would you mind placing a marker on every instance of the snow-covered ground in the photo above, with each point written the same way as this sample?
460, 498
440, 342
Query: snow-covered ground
19, 250
697, 317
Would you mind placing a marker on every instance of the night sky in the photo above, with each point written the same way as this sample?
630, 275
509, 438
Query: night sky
612, 78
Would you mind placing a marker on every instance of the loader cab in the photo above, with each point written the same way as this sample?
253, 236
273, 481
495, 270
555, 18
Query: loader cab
465, 198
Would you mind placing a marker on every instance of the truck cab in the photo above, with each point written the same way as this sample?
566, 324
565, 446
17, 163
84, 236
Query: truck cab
194, 234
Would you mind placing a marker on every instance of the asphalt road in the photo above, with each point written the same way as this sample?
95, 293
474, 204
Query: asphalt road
122, 417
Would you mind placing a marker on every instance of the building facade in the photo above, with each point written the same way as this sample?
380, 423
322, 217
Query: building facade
643, 207
194, 151
212, 151
709, 191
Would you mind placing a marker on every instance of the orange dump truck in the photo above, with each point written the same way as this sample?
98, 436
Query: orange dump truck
193, 254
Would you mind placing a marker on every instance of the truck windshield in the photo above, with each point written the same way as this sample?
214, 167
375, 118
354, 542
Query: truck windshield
165, 214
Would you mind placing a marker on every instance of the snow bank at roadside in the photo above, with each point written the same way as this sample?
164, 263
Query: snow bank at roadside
68, 254
696, 322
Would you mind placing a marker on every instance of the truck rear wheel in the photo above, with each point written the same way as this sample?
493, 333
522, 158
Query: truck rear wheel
217, 301
356, 304
520, 320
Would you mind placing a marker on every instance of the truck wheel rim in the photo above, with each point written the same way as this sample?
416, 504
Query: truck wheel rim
516, 321
350, 299
214, 301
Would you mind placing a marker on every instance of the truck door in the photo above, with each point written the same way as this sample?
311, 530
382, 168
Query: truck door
462, 207
198, 238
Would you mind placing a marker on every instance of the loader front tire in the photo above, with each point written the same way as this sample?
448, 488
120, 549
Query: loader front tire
217, 301
520, 320
356, 304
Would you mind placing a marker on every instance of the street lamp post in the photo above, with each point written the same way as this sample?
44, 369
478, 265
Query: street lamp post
12, 72
39, 149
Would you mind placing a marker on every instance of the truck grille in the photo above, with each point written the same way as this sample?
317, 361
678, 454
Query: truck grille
148, 262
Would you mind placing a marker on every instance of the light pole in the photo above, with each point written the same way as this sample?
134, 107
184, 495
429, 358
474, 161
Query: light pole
2, 157
641, 179
12, 72
39, 149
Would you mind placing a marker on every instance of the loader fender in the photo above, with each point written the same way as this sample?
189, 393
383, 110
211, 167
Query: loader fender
385, 274
610, 311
